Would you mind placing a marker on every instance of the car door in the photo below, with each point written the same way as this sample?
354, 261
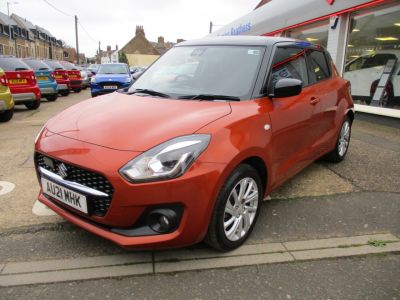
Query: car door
325, 89
292, 118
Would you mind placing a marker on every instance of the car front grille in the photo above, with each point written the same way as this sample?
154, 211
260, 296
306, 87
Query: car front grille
97, 205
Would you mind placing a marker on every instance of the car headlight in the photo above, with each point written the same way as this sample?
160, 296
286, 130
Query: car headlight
128, 80
93, 79
167, 160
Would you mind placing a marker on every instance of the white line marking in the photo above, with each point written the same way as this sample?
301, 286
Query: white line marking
42, 210
6, 187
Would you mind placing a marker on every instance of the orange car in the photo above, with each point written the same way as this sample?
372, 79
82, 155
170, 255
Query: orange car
188, 152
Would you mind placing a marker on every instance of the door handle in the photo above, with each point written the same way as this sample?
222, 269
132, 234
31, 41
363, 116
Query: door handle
314, 100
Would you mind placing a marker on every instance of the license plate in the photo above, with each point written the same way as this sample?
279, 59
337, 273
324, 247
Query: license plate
73, 76
110, 87
58, 76
18, 81
66, 196
42, 78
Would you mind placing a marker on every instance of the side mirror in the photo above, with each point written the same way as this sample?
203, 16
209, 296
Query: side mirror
137, 75
287, 87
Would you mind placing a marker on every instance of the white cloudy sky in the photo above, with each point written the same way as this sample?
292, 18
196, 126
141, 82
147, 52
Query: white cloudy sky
114, 21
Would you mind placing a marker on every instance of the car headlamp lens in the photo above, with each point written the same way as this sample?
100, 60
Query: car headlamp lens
93, 79
167, 160
128, 80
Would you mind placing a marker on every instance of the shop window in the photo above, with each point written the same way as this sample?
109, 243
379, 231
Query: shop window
373, 44
316, 33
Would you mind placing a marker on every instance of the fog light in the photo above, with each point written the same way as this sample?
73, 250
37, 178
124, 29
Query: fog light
162, 220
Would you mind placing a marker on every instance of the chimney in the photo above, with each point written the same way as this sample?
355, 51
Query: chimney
139, 30
160, 41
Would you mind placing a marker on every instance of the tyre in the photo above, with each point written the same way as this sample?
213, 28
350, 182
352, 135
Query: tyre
236, 209
77, 90
52, 98
33, 105
342, 143
6, 115
64, 93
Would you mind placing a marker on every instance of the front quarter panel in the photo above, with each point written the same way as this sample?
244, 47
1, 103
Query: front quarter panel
239, 136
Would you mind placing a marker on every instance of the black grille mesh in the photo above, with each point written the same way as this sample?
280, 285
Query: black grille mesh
98, 205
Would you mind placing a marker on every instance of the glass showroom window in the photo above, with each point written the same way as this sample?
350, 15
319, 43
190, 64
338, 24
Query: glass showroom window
316, 33
373, 50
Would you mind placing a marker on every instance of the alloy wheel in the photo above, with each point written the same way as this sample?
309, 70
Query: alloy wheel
344, 138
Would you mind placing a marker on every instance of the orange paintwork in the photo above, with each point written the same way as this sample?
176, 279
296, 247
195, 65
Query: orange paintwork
302, 129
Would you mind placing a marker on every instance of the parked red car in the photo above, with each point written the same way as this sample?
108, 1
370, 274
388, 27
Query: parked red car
190, 150
21, 81
74, 75
61, 76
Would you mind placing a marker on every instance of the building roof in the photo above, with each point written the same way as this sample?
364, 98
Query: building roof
5, 20
139, 44
23, 22
41, 29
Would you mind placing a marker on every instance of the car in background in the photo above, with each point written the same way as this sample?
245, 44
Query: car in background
93, 68
21, 81
109, 78
6, 99
61, 77
45, 78
74, 75
85, 78
365, 72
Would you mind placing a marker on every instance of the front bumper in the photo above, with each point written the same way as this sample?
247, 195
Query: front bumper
130, 201
97, 88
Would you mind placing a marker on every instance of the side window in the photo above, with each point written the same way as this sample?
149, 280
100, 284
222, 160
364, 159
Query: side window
289, 63
319, 68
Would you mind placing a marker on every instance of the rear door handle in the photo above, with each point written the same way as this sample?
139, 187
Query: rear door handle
314, 100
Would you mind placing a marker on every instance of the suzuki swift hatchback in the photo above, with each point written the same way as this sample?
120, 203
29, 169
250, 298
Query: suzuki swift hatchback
190, 150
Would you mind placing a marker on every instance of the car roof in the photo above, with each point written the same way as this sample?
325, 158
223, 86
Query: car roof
246, 40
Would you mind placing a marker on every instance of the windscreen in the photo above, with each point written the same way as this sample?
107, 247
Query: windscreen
36, 65
13, 64
112, 69
196, 70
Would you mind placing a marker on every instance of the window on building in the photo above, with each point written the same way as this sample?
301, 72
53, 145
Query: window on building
289, 63
319, 68
374, 42
316, 33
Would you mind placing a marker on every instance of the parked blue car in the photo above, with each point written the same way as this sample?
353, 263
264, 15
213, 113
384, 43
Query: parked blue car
45, 78
109, 78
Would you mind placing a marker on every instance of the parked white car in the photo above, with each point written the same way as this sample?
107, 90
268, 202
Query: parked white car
365, 71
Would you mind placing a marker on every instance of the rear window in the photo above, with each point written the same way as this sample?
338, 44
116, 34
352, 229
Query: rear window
69, 66
55, 65
13, 64
36, 65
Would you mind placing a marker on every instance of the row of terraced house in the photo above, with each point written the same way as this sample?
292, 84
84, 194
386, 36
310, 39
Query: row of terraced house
21, 38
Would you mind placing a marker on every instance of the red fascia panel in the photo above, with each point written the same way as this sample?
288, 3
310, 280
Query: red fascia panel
361, 6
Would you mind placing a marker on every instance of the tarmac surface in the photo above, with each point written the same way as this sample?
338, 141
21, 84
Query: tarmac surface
359, 196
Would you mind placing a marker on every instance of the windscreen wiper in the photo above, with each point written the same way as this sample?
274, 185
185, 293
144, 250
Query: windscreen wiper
210, 97
149, 92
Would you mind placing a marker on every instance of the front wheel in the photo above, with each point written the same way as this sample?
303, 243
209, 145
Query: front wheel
33, 105
6, 115
342, 143
236, 209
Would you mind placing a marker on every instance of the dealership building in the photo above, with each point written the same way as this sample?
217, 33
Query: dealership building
363, 38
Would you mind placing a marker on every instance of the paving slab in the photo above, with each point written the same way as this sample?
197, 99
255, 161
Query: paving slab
222, 262
76, 263
338, 242
186, 254
75, 275
345, 252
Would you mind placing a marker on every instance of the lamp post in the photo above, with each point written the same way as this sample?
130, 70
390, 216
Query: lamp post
9, 25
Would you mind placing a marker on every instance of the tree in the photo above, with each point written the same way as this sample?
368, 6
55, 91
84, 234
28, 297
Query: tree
122, 58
